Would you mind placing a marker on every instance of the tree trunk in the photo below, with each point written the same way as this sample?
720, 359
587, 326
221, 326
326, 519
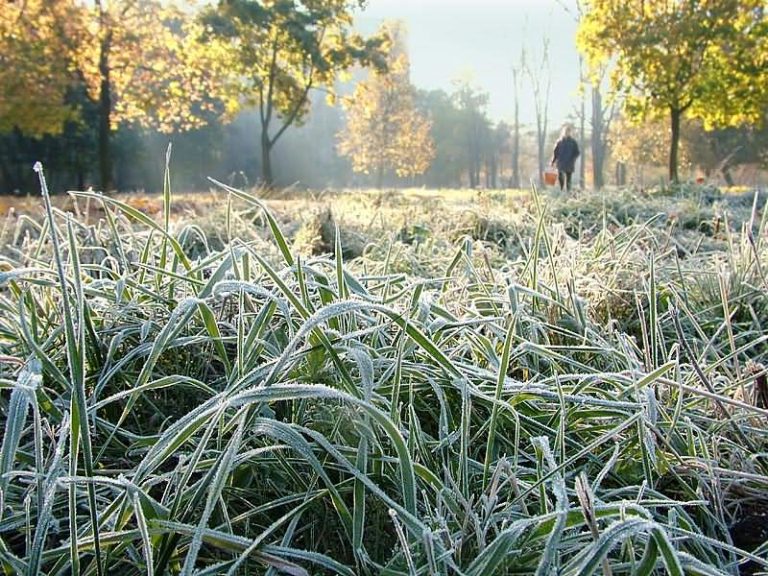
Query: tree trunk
541, 137
621, 174
266, 158
477, 164
516, 138
540, 152
516, 152
674, 145
80, 178
20, 177
582, 130
490, 170
105, 114
472, 156
598, 139
727, 176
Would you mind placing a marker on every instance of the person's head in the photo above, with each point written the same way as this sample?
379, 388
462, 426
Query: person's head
566, 131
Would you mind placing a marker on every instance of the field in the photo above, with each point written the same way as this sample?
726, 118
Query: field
398, 382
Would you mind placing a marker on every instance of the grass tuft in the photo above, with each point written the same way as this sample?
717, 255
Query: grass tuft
487, 384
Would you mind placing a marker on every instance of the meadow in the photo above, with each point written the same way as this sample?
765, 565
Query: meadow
398, 382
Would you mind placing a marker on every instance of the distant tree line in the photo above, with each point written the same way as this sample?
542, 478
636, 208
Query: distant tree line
287, 93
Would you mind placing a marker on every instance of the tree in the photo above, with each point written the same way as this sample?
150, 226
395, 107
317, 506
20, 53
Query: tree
602, 118
516, 73
385, 131
473, 127
138, 60
450, 149
142, 62
34, 78
643, 145
541, 83
498, 147
704, 59
276, 51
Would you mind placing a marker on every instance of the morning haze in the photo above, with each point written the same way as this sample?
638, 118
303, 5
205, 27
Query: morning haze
482, 40
293, 92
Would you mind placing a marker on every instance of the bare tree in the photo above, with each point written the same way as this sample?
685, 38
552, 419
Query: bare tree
541, 83
516, 73
602, 116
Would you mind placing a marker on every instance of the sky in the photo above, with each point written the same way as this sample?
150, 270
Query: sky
482, 40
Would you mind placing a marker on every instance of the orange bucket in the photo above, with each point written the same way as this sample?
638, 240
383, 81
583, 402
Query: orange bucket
550, 177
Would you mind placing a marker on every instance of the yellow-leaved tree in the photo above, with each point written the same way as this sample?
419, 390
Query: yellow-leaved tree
143, 62
385, 132
705, 59
34, 78
138, 61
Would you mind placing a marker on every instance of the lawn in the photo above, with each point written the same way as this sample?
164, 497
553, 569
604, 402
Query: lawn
385, 382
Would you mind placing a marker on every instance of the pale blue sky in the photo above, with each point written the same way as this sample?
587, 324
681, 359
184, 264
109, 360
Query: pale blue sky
482, 39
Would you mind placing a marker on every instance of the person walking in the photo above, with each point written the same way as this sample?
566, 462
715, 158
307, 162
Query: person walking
564, 156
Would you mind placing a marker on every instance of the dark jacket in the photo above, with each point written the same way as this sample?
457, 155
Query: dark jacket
565, 154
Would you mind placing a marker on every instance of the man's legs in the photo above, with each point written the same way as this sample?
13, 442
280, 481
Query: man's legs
561, 179
568, 178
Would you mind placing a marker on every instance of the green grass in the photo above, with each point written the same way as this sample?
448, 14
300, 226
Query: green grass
492, 384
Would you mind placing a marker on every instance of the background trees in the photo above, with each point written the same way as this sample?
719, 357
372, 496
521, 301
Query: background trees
96, 89
472, 128
38, 102
449, 163
34, 79
719, 152
276, 51
385, 132
127, 61
701, 59
142, 63
149, 64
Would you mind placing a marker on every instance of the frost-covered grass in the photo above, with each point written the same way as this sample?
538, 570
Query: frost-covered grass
406, 383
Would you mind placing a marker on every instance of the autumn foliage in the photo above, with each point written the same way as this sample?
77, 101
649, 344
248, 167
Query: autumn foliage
385, 131
704, 59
